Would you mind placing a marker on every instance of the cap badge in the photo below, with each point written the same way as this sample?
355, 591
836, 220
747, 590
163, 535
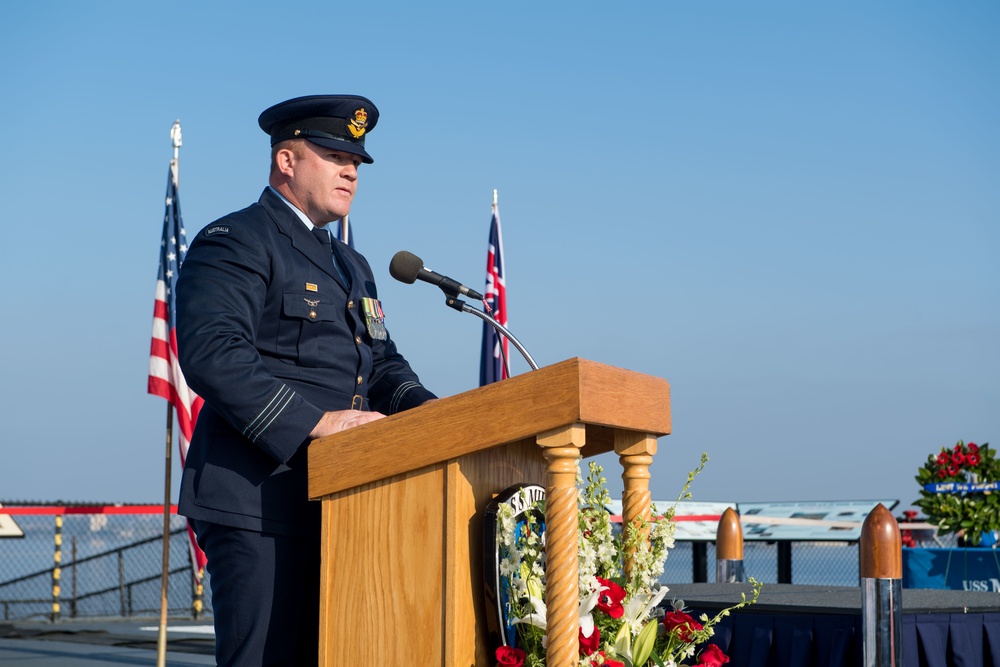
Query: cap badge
357, 125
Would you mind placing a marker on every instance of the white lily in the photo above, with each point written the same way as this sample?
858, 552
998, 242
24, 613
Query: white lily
587, 605
539, 614
637, 608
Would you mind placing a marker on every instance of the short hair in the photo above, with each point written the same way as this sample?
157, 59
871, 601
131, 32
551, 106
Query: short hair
297, 146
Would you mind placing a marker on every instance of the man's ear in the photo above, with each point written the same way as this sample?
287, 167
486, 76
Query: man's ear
285, 160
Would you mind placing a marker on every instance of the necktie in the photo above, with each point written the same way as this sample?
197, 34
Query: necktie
324, 237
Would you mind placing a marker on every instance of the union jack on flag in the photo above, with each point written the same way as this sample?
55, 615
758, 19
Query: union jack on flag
165, 376
492, 366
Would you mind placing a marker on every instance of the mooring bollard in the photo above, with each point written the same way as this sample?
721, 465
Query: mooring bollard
729, 548
881, 553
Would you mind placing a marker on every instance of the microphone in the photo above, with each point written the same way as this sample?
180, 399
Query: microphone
407, 267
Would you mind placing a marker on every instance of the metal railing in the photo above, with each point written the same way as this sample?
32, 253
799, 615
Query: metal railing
96, 566
110, 566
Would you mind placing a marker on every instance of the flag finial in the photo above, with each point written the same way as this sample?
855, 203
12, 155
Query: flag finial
494, 196
175, 137
175, 134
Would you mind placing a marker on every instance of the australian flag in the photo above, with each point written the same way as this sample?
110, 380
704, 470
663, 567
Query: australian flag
493, 366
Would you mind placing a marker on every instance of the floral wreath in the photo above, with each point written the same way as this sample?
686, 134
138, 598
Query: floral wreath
972, 504
621, 621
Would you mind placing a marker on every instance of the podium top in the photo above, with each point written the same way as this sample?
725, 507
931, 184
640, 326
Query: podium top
576, 391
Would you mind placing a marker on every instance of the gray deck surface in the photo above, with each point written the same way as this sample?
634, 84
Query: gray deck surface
116, 642
104, 643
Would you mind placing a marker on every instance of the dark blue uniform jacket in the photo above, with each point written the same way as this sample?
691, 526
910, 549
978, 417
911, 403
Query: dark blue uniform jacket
271, 338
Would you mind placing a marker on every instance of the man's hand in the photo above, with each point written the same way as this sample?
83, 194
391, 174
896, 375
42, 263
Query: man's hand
339, 420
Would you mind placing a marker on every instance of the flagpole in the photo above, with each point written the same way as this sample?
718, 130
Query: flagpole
161, 641
344, 226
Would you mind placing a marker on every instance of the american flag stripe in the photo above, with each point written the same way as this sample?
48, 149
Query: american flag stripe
165, 376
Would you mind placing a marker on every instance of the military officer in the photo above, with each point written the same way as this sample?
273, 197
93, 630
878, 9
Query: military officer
281, 331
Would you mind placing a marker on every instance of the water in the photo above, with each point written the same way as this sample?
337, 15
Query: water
813, 563
125, 581
110, 565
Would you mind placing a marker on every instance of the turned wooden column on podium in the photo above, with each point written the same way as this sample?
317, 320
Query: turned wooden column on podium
403, 497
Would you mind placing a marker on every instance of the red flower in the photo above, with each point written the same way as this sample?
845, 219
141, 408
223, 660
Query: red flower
684, 624
608, 662
590, 644
509, 657
972, 459
958, 458
712, 656
953, 470
610, 601
972, 447
942, 473
958, 448
943, 459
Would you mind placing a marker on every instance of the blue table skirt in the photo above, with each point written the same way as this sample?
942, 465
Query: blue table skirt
955, 569
821, 640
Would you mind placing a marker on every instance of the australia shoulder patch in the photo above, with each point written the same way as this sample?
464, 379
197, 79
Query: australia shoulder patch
215, 230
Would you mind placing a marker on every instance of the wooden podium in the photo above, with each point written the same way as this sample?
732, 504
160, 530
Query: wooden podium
402, 571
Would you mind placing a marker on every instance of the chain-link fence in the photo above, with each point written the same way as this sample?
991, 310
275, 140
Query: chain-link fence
788, 562
109, 565
96, 565
816, 563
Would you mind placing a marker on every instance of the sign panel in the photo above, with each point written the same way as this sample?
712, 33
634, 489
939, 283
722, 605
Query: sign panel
9, 527
696, 520
815, 521
956, 569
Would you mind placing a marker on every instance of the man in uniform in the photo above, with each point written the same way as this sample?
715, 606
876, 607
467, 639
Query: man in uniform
281, 332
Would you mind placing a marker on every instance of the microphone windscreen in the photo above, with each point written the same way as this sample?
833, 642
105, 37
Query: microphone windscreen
405, 267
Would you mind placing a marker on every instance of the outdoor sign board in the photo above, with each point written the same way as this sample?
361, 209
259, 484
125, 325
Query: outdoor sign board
696, 520
815, 521
9, 527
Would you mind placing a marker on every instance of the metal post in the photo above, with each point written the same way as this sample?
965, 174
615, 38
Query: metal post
729, 548
699, 562
57, 568
121, 580
881, 553
784, 562
198, 588
72, 604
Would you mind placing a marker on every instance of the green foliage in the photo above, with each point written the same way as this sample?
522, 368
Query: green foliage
621, 615
971, 513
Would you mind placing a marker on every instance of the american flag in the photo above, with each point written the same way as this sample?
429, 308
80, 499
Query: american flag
165, 376
491, 366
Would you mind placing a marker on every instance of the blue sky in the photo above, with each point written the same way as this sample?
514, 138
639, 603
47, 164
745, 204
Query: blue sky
788, 210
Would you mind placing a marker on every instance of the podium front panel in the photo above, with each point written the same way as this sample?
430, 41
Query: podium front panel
402, 564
